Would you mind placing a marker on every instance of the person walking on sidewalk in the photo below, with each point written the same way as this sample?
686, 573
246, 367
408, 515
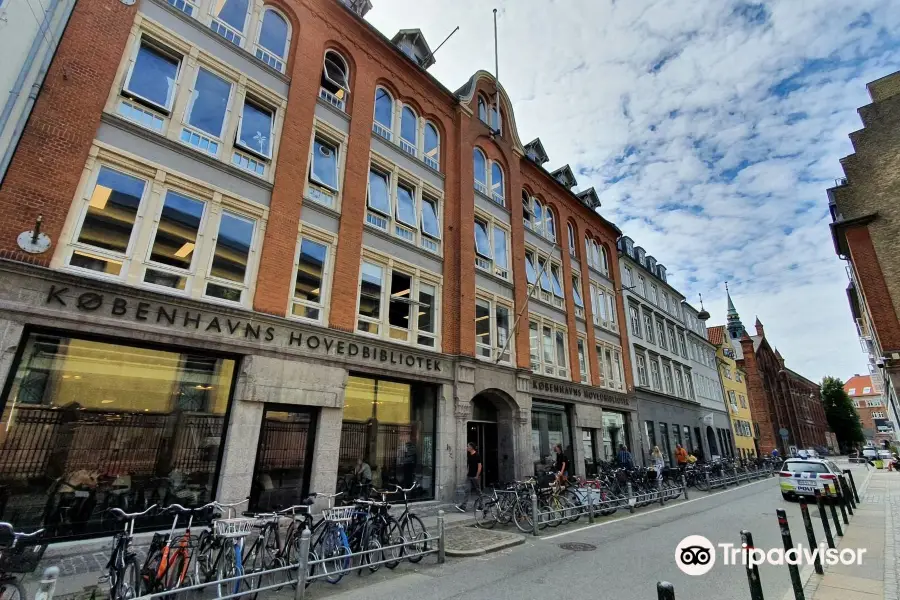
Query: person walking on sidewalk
681, 457
658, 462
624, 457
562, 464
473, 474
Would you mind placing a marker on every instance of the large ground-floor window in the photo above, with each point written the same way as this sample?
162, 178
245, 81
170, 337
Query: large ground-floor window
387, 436
549, 427
90, 425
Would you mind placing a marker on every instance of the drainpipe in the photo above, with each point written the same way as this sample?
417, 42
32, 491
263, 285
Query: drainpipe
55, 37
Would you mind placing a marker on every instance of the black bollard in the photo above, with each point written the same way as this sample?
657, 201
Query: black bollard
756, 592
811, 535
847, 494
831, 505
665, 591
852, 484
821, 505
841, 501
789, 545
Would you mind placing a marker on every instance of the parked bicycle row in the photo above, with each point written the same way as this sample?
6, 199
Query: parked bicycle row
558, 500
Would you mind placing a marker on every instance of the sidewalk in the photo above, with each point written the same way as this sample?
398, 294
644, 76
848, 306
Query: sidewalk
871, 527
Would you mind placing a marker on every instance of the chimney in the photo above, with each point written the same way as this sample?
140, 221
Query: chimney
760, 331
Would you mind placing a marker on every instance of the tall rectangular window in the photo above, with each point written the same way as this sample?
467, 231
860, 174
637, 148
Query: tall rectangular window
400, 305
661, 334
576, 295
648, 327
483, 328
679, 383
324, 168
175, 240
534, 342
427, 311
655, 376
530, 271
641, 370
682, 344
555, 281
310, 280
379, 198
673, 341
370, 289
231, 255
431, 222
582, 362
501, 258
209, 103
562, 354
635, 318
406, 205
667, 378
502, 325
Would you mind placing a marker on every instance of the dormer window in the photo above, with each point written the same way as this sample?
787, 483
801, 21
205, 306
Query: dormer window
565, 176
336, 81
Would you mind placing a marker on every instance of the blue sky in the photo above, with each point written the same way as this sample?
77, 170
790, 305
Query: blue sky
710, 128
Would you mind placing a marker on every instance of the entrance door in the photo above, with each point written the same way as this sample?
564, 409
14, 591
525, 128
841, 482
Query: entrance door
484, 436
284, 457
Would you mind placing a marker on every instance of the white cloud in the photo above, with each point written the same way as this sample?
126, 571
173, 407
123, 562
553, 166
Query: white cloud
669, 108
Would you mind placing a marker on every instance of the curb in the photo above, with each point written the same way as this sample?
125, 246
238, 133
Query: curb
518, 540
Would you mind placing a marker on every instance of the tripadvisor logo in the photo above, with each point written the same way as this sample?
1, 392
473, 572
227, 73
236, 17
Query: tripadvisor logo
696, 555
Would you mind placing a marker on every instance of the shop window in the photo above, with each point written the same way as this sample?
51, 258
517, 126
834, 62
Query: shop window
550, 427
651, 434
89, 425
388, 426
615, 434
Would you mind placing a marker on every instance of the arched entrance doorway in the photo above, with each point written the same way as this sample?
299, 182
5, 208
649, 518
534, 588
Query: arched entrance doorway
490, 429
711, 441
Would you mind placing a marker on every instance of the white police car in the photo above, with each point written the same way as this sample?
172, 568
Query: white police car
803, 476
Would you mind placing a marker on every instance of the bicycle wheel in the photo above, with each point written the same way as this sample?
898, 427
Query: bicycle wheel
576, 505
252, 563
126, 586
484, 516
391, 536
332, 550
522, 516
504, 509
12, 590
203, 557
226, 569
176, 570
414, 531
702, 484
371, 546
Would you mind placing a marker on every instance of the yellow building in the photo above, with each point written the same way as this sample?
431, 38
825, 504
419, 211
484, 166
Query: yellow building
734, 381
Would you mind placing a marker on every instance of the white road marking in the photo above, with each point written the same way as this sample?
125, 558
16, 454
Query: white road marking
650, 512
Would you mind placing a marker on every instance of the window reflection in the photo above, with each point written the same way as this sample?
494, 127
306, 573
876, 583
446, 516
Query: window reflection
90, 425
389, 427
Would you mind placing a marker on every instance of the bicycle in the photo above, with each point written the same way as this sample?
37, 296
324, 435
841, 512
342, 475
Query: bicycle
276, 553
332, 544
124, 572
412, 529
378, 530
168, 557
220, 553
10, 588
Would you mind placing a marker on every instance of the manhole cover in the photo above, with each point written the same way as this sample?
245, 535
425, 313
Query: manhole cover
577, 547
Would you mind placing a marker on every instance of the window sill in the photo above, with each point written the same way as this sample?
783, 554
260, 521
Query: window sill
319, 207
597, 271
392, 238
493, 202
188, 151
200, 26
330, 107
507, 283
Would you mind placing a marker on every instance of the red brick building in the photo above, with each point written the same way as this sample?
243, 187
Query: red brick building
871, 408
257, 226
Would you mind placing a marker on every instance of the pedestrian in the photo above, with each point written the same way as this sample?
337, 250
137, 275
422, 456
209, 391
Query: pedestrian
562, 464
624, 457
681, 456
775, 454
473, 474
658, 462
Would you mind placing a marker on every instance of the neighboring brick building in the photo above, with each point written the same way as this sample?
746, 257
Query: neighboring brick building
779, 397
261, 268
865, 229
871, 408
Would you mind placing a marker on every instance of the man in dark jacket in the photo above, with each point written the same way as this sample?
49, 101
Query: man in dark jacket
624, 457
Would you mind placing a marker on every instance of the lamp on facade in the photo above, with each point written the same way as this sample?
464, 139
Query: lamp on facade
703, 315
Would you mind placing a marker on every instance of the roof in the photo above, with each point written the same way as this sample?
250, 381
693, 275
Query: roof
716, 334
416, 38
859, 383
738, 351
757, 340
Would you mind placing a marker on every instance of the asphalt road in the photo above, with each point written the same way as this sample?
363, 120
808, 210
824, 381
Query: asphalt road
631, 555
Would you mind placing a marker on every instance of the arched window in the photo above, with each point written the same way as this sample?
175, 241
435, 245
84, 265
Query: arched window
432, 147
384, 113
604, 260
572, 250
497, 183
526, 209
409, 130
538, 215
595, 254
229, 18
273, 39
549, 224
335, 80
482, 110
496, 119
480, 164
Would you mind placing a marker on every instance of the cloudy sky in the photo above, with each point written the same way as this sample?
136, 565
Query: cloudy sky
710, 128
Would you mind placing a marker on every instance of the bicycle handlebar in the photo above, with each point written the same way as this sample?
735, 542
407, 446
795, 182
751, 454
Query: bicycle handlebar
18, 535
397, 488
324, 495
122, 515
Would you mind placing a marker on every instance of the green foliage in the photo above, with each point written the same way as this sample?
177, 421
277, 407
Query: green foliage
842, 417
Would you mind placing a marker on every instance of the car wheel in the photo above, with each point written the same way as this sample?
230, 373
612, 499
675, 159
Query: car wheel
788, 497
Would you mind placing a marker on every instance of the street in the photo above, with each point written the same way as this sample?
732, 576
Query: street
632, 554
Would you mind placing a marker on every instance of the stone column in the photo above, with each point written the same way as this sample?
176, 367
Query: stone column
326, 451
10, 337
239, 458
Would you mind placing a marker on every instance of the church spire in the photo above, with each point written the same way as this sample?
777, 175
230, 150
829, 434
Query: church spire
735, 327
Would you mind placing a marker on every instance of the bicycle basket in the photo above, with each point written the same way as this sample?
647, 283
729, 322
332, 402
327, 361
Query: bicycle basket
22, 558
232, 528
340, 514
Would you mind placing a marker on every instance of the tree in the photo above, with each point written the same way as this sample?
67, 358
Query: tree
842, 416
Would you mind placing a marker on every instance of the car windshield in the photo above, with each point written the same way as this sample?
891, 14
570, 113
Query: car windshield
805, 467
